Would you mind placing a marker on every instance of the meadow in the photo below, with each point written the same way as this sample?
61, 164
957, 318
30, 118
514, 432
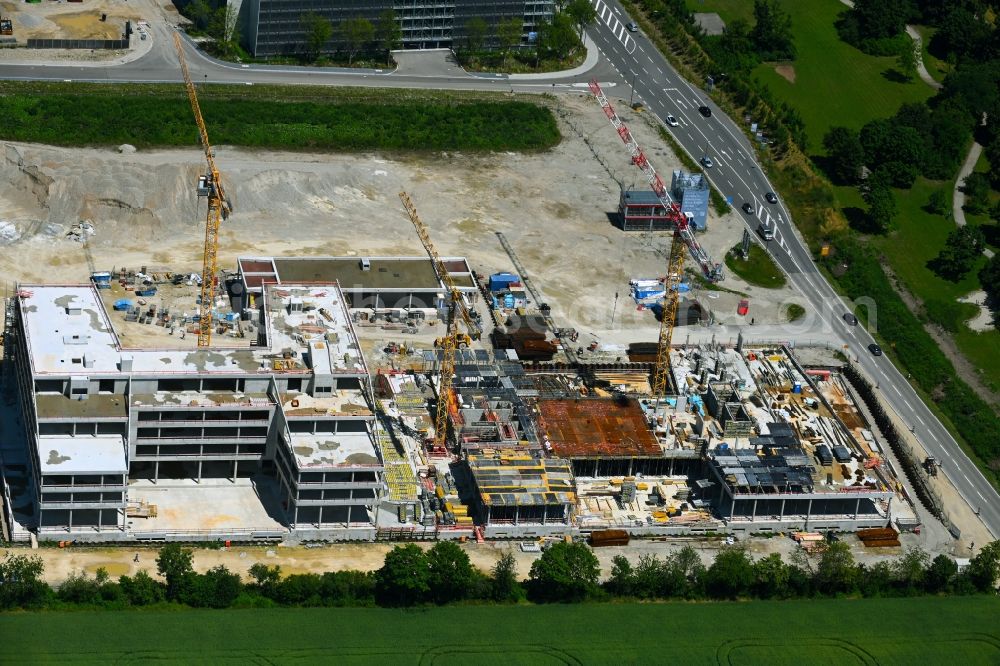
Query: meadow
828, 631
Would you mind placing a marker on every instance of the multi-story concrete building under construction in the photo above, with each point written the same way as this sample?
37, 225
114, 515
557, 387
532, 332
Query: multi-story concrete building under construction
275, 27
134, 432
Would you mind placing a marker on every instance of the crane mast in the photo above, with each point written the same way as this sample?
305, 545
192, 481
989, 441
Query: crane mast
668, 315
219, 208
450, 340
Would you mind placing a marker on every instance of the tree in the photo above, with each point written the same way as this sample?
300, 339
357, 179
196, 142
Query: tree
476, 30
174, 563
299, 590
984, 568
881, 203
21, 584
683, 574
735, 50
509, 35
845, 155
836, 572
564, 572
318, 32
388, 33
404, 579
939, 202
504, 585
910, 570
961, 251
451, 573
895, 149
770, 577
79, 589
217, 588
619, 583
356, 33
556, 38
731, 574
878, 19
906, 61
989, 279
772, 31
875, 580
265, 578
200, 13
977, 193
141, 589
992, 153
582, 13
347, 588
940, 574
650, 578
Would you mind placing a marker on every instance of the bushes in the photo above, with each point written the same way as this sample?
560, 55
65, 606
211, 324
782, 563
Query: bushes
166, 120
565, 572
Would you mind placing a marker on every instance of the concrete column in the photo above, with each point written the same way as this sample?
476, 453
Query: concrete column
809, 508
753, 515
295, 517
320, 516
857, 508
671, 467
199, 472
732, 508
156, 469
235, 469
631, 462
782, 516
545, 513
71, 519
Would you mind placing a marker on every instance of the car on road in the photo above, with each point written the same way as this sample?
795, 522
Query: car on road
633, 27
705, 111
707, 162
670, 120
875, 349
850, 319
771, 197
748, 208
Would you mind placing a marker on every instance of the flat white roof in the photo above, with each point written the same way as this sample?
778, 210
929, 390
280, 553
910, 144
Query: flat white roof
339, 449
88, 454
69, 332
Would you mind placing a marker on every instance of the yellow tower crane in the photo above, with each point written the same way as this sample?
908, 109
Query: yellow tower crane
219, 208
452, 339
668, 315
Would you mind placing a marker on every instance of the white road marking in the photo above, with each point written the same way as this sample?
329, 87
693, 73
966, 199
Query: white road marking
896, 389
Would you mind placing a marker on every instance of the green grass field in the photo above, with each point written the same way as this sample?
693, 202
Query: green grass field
759, 269
879, 631
835, 84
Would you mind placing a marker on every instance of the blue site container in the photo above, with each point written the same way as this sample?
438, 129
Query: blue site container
501, 281
122, 304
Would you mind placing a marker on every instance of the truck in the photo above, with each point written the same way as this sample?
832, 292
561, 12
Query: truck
6, 26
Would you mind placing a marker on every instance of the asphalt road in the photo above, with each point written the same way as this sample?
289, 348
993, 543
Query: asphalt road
629, 58
737, 176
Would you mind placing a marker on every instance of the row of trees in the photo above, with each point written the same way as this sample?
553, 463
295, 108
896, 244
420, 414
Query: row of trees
565, 572
357, 35
555, 40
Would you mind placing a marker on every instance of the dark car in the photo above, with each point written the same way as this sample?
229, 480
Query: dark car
771, 198
875, 349
705, 111
851, 319
748, 208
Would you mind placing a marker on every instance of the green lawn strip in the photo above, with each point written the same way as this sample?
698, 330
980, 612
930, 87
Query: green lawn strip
794, 312
835, 83
820, 631
148, 117
759, 269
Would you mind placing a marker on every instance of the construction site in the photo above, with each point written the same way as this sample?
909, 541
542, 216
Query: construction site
243, 346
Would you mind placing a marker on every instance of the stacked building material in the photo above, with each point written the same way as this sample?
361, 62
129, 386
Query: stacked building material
884, 537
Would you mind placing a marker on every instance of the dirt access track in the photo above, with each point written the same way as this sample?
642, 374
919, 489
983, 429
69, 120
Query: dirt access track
72, 20
556, 208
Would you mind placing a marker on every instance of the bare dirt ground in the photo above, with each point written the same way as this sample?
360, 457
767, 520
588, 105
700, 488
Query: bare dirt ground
556, 209
60, 563
786, 72
60, 20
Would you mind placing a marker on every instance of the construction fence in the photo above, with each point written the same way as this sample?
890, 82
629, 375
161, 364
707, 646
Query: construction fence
106, 44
